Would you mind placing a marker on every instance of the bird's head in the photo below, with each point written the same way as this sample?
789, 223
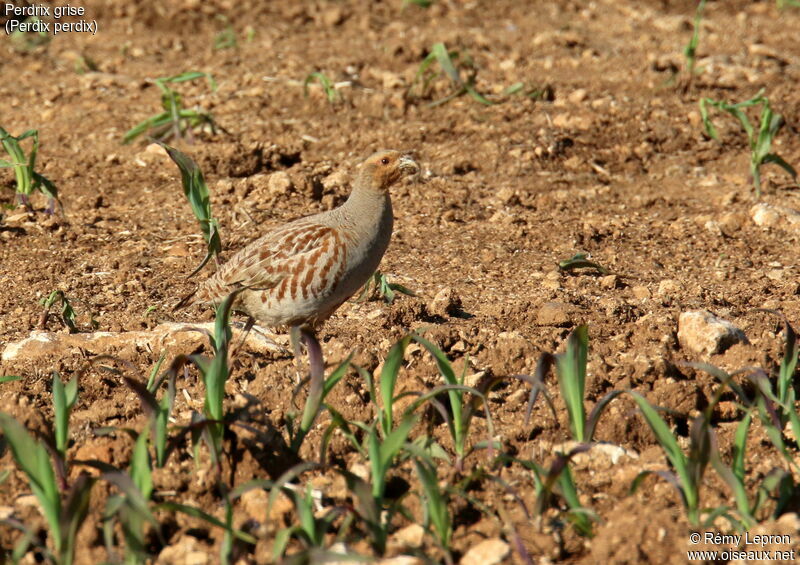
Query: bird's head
384, 168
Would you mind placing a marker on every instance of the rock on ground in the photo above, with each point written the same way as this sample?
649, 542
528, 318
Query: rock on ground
487, 552
769, 216
700, 331
179, 337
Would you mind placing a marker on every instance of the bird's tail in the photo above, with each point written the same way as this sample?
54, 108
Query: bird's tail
187, 300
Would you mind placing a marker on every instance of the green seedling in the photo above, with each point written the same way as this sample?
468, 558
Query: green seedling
159, 411
687, 476
64, 513
774, 398
226, 39
760, 142
437, 514
196, 191
690, 51
557, 479
534, 93
379, 284
775, 484
175, 121
420, 3
66, 316
784, 3
328, 87
375, 511
735, 476
571, 374
28, 180
579, 261
84, 64
214, 373
312, 527
459, 414
26, 41
129, 507
231, 534
425, 76
64, 397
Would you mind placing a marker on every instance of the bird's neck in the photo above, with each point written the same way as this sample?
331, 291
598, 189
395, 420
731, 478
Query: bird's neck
366, 208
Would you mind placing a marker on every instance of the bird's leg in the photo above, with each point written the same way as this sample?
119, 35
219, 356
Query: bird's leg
316, 366
294, 339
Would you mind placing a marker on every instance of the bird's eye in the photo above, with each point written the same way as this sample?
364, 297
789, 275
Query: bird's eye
385, 161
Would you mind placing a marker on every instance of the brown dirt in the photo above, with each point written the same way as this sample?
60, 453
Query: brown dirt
614, 165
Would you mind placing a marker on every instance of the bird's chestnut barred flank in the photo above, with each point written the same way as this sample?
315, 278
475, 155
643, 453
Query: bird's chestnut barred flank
298, 274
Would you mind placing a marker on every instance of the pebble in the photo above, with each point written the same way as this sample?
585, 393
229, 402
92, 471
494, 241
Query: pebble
554, 314
577, 96
767, 215
410, 536
487, 552
701, 332
445, 303
280, 183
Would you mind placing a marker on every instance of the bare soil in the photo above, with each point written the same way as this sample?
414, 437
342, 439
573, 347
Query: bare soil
611, 161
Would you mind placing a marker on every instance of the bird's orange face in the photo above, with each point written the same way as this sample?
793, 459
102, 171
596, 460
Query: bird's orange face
384, 168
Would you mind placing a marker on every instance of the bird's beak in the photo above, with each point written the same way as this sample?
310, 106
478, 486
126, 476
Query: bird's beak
408, 165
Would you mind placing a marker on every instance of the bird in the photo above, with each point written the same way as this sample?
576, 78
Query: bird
298, 274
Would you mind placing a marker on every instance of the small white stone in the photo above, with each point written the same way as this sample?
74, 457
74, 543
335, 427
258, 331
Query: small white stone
702, 332
280, 183
487, 552
766, 215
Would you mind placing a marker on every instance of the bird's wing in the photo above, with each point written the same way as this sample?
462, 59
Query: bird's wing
300, 259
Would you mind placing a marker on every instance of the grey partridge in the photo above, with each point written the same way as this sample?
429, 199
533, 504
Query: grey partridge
298, 274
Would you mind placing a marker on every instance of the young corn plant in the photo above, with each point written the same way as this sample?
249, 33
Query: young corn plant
690, 51
175, 121
196, 191
66, 316
760, 141
777, 485
28, 179
130, 505
458, 415
28, 41
555, 480
571, 374
687, 476
225, 39
64, 511
437, 514
580, 261
425, 76
158, 410
379, 285
64, 398
327, 85
313, 524
214, 373
775, 397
